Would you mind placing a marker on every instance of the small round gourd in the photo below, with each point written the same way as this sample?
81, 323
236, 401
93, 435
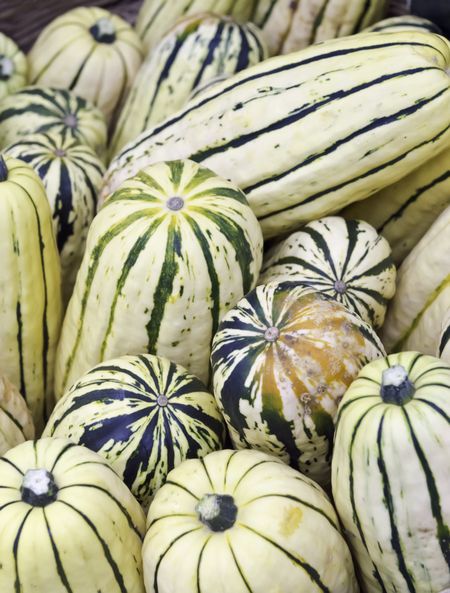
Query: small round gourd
13, 67
90, 51
144, 415
391, 473
282, 359
245, 520
68, 523
16, 423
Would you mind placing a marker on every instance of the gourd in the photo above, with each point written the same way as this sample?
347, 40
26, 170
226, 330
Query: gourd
167, 255
414, 317
195, 51
344, 259
89, 51
406, 22
16, 423
443, 350
144, 415
68, 523
34, 110
13, 67
286, 131
391, 473
282, 359
245, 520
30, 299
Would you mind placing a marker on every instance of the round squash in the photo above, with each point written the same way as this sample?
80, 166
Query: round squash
144, 415
13, 67
90, 51
245, 520
391, 473
72, 175
16, 423
282, 359
444, 340
33, 110
344, 259
68, 523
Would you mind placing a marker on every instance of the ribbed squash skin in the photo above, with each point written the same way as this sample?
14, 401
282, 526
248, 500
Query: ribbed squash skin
286, 536
287, 120
16, 423
30, 301
443, 350
403, 212
282, 359
197, 50
156, 279
13, 67
344, 259
407, 22
291, 25
72, 175
144, 415
90, 51
34, 110
415, 315
156, 17
391, 476
87, 540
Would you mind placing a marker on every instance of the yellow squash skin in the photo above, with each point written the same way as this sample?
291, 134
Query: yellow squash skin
30, 292
13, 67
16, 423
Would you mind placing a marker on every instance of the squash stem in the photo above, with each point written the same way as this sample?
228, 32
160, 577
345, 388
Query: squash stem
39, 488
396, 388
217, 511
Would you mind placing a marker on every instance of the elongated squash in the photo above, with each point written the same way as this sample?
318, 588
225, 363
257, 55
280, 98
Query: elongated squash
199, 49
391, 473
403, 212
167, 255
346, 260
407, 22
30, 299
443, 350
16, 423
13, 67
415, 315
283, 133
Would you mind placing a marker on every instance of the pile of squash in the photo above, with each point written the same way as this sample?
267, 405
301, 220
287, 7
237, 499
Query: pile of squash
225, 301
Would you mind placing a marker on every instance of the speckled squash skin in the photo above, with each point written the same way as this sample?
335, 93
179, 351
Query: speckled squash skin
16, 423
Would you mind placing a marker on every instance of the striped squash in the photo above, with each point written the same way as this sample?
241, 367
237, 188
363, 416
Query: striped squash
167, 255
391, 473
90, 51
144, 415
16, 423
291, 25
403, 212
13, 67
194, 52
281, 360
30, 301
406, 22
72, 174
344, 259
68, 523
286, 120
34, 110
156, 17
247, 521
444, 339
414, 317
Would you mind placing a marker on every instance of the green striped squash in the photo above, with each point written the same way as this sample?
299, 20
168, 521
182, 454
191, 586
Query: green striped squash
245, 520
156, 17
287, 120
344, 259
144, 415
72, 174
194, 52
282, 359
90, 51
167, 255
30, 300
391, 473
414, 317
444, 340
406, 22
403, 212
68, 523
34, 110
13, 67
16, 423
289, 26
